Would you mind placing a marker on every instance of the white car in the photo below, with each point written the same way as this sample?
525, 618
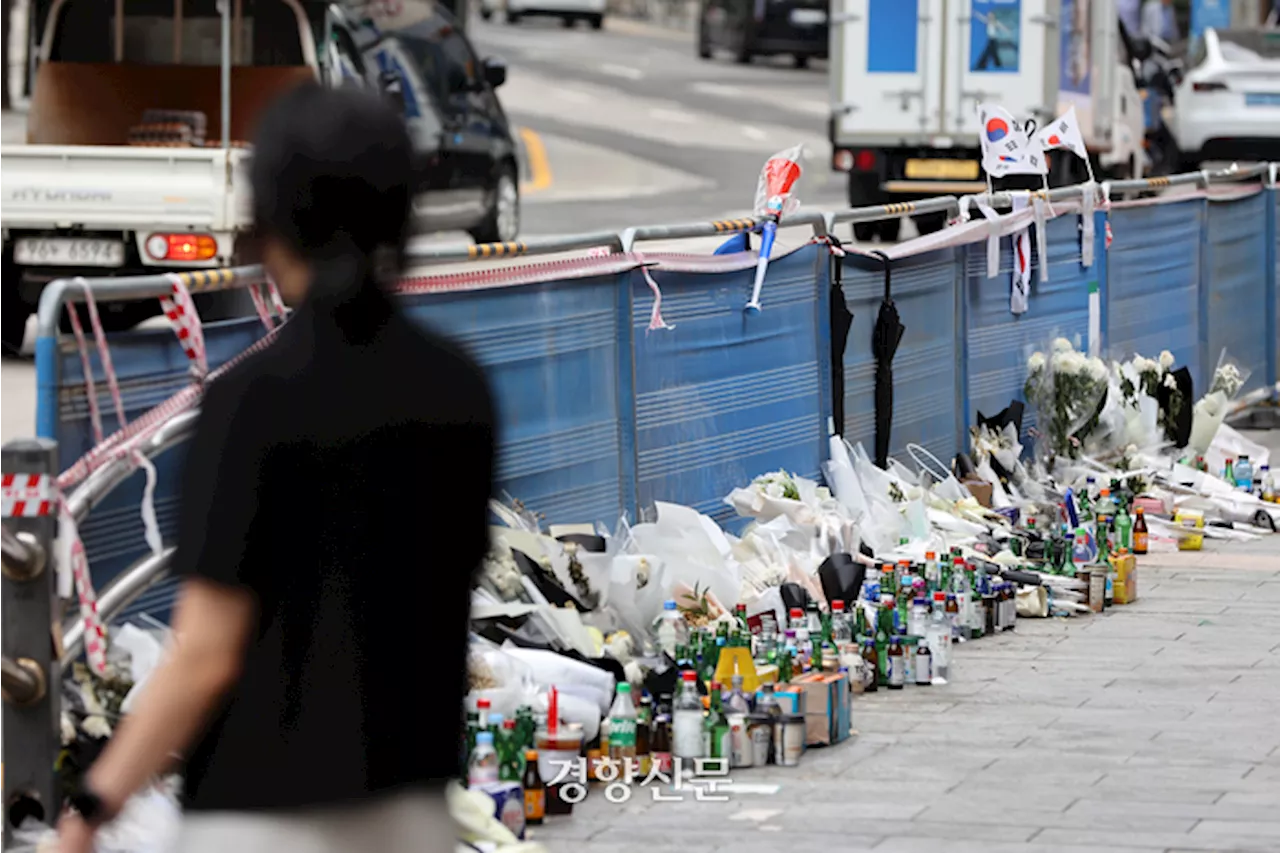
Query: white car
1227, 106
568, 11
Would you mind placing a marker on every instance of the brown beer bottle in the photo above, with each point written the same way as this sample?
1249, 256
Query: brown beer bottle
1141, 539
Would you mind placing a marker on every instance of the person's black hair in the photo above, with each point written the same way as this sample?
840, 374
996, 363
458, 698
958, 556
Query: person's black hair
332, 172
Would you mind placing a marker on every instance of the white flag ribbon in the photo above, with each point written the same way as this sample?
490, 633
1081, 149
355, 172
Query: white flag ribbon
1042, 244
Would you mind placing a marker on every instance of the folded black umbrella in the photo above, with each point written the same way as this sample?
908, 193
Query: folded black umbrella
793, 596
885, 339
841, 322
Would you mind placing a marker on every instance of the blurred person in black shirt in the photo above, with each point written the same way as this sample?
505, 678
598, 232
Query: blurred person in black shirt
333, 510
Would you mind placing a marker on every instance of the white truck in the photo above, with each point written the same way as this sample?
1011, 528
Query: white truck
134, 161
906, 77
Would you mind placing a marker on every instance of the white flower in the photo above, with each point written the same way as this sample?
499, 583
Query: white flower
1131, 450
1170, 382
1075, 363
1097, 369
1166, 359
774, 489
1143, 365
1062, 345
1036, 362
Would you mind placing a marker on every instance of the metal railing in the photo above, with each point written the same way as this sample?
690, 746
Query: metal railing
27, 546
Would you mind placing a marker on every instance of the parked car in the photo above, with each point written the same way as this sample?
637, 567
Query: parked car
750, 28
471, 176
568, 11
1227, 106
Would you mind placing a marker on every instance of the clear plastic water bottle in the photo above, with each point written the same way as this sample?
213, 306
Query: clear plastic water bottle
918, 622
672, 631
482, 767
1244, 473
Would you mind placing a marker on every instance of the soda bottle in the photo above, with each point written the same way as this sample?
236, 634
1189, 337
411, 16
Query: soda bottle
644, 734
686, 719
660, 745
932, 576
952, 610
535, 792
622, 726
1124, 530
510, 755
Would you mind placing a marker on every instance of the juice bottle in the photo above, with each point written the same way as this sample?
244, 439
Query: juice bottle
1141, 538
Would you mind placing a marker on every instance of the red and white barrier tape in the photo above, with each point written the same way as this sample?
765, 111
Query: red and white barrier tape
104, 356
266, 299
74, 558
185, 320
33, 495
122, 443
90, 387
28, 495
656, 322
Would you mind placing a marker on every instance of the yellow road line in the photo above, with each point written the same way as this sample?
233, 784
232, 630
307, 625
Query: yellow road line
539, 167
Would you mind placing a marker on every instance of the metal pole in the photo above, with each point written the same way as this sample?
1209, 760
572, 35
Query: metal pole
224, 6
28, 612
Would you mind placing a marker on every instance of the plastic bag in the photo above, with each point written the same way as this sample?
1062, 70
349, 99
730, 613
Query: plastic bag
1229, 377
776, 185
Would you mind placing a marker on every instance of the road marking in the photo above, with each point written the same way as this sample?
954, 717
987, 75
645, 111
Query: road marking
753, 132
536, 155
622, 71
664, 114
718, 89
756, 815
575, 95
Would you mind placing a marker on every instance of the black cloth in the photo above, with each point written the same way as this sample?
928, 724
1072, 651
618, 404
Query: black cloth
342, 477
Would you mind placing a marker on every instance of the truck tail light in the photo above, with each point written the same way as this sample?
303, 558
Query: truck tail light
181, 247
1207, 86
842, 160
864, 160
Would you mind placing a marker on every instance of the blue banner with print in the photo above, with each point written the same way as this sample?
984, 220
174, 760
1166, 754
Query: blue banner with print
995, 35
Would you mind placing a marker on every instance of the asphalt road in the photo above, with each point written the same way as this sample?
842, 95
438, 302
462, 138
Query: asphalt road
635, 129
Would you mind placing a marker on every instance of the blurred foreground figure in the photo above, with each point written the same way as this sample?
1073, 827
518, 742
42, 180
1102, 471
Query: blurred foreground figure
333, 510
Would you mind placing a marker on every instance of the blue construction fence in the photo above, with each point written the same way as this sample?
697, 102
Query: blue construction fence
601, 416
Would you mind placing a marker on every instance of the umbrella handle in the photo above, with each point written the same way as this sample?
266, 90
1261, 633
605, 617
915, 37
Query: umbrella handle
762, 265
887, 269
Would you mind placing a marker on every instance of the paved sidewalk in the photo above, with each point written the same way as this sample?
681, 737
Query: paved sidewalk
1151, 727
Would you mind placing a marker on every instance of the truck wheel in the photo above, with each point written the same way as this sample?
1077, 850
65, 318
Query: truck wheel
513, 17
890, 229
930, 223
800, 61
864, 232
596, 22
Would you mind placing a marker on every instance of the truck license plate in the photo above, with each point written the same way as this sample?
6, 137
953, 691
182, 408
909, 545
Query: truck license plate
956, 170
808, 17
69, 251
1262, 99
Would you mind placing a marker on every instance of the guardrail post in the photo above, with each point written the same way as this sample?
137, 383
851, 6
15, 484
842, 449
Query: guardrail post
28, 614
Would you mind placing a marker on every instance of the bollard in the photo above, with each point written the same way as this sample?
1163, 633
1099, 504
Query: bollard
28, 613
